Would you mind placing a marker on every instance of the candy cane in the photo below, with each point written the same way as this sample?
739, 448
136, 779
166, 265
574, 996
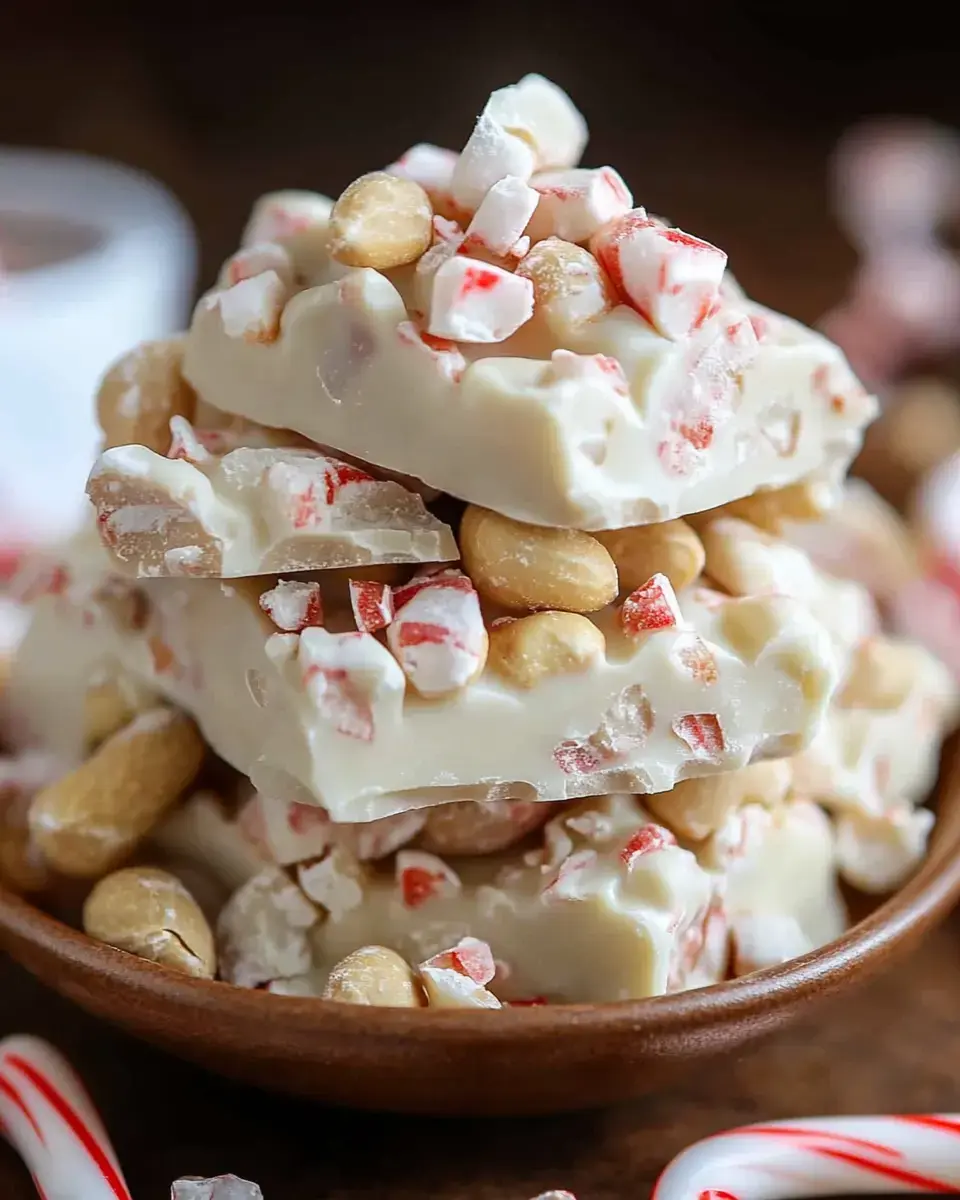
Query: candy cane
819, 1156
50, 1120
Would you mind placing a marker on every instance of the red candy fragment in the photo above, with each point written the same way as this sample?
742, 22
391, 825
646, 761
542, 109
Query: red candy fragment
372, 604
647, 840
702, 732
652, 606
469, 957
293, 605
423, 877
697, 660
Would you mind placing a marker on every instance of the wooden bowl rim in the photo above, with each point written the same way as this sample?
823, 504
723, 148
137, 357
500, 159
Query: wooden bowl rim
919, 903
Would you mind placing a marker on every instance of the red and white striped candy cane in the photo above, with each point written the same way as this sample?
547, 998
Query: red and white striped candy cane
49, 1119
820, 1156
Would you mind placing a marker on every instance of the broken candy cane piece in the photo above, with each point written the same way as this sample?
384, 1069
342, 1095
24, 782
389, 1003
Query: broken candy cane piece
47, 1116
669, 277
438, 636
262, 931
456, 978
254, 260
219, 1187
877, 853
283, 831
502, 217
372, 604
283, 214
184, 442
293, 605
650, 607
251, 309
762, 940
575, 204
347, 676
543, 114
823, 1156
703, 734
335, 883
421, 877
491, 154
445, 354
472, 301
647, 840
430, 166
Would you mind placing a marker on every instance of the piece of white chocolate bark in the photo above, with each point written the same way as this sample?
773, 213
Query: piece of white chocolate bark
254, 511
671, 427
327, 716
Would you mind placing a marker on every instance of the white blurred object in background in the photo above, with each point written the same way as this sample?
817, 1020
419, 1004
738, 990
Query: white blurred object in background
94, 257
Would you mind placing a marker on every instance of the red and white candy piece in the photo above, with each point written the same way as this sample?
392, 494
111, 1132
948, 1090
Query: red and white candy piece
293, 605
473, 301
499, 222
280, 215
422, 877
648, 839
285, 831
251, 309
444, 354
372, 604
255, 260
47, 1116
437, 634
650, 607
575, 204
457, 978
347, 676
819, 1156
669, 277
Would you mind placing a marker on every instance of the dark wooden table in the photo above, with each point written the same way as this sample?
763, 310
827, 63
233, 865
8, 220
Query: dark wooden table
893, 1046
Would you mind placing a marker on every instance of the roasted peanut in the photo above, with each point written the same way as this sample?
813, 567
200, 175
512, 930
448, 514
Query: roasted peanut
569, 285
481, 827
530, 566
148, 912
668, 548
109, 704
92, 818
141, 392
380, 221
376, 976
698, 807
805, 501
882, 674
533, 648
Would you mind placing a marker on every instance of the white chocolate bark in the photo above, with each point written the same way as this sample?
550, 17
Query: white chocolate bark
254, 511
326, 717
701, 421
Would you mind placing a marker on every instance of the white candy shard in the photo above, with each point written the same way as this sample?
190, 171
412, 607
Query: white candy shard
220, 1187
502, 217
262, 931
185, 443
456, 978
430, 166
544, 115
255, 260
473, 301
293, 604
280, 215
491, 154
256, 510
438, 636
574, 204
669, 277
372, 604
335, 882
348, 677
251, 309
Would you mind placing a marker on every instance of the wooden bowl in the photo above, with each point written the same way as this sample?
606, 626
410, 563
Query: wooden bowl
516, 1061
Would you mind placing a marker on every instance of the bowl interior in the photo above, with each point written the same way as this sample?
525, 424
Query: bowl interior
522, 1060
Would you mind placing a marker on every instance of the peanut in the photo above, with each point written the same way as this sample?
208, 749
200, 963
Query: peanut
88, 821
529, 566
148, 912
668, 548
805, 501
753, 624
108, 705
698, 807
485, 827
533, 648
141, 392
376, 976
569, 285
882, 674
380, 221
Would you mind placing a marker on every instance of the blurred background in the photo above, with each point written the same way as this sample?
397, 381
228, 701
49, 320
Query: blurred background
721, 117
